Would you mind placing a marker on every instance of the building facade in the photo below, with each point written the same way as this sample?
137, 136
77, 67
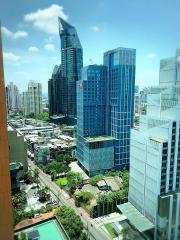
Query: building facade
121, 64
155, 163
154, 194
62, 85
170, 71
95, 150
31, 100
17, 148
57, 93
35, 97
12, 97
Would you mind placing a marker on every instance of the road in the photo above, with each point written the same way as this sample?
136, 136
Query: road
62, 197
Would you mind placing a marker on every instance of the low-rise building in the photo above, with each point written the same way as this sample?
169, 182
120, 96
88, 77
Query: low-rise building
15, 172
17, 147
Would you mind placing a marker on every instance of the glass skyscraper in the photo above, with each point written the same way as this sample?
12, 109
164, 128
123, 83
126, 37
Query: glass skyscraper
105, 103
71, 63
57, 93
95, 150
121, 64
62, 85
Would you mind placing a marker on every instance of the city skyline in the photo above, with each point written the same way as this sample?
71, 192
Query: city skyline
24, 31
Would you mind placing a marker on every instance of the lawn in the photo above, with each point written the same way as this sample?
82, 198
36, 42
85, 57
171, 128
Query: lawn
110, 230
61, 181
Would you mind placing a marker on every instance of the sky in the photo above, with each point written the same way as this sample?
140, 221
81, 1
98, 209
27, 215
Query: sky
31, 43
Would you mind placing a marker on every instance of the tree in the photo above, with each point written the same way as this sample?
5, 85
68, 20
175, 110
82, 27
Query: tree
125, 231
43, 194
71, 222
94, 180
42, 116
19, 200
83, 197
22, 236
28, 177
74, 181
36, 175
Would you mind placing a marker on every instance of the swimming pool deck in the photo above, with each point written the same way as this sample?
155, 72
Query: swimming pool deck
44, 224
28, 222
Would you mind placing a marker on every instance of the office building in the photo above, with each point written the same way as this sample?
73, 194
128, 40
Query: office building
105, 105
6, 219
154, 187
121, 64
95, 150
17, 148
12, 97
57, 93
32, 99
72, 62
64, 78
170, 71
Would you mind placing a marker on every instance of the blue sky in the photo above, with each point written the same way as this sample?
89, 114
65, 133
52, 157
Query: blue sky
31, 43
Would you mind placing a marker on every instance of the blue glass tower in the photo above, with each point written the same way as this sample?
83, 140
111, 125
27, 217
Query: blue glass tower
71, 64
95, 150
120, 64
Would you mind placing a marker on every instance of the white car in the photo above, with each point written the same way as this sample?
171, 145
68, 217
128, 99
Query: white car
37, 215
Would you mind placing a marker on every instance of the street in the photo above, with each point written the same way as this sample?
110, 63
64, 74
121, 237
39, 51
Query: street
94, 233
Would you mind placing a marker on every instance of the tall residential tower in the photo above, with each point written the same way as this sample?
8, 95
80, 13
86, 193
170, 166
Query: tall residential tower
32, 99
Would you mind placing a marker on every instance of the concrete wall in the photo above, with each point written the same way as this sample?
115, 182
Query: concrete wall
17, 148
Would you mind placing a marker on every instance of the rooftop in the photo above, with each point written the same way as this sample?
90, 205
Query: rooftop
46, 229
139, 221
15, 166
156, 139
99, 138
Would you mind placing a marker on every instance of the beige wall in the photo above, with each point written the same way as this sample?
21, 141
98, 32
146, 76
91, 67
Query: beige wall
17, 148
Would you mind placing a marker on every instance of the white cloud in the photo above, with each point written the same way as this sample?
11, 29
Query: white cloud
33, 49
47, 19
151, 55
50, 39
22, 73
95, 28
11, 57
15, 35
6, 32
20, 34
49, 47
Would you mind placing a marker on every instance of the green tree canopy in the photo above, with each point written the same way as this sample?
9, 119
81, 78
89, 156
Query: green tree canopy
71, 222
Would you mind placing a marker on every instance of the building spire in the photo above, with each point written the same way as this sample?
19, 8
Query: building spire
63, 25
6, 222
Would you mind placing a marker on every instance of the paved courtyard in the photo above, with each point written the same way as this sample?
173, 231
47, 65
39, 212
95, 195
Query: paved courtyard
32, 198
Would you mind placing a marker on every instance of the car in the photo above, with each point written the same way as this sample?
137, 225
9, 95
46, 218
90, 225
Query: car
37, 215
54, 202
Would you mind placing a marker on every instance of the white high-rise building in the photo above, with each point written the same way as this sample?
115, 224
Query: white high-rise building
170, 71
25, 103
154, 186
35, 97
32, 99
12, 97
